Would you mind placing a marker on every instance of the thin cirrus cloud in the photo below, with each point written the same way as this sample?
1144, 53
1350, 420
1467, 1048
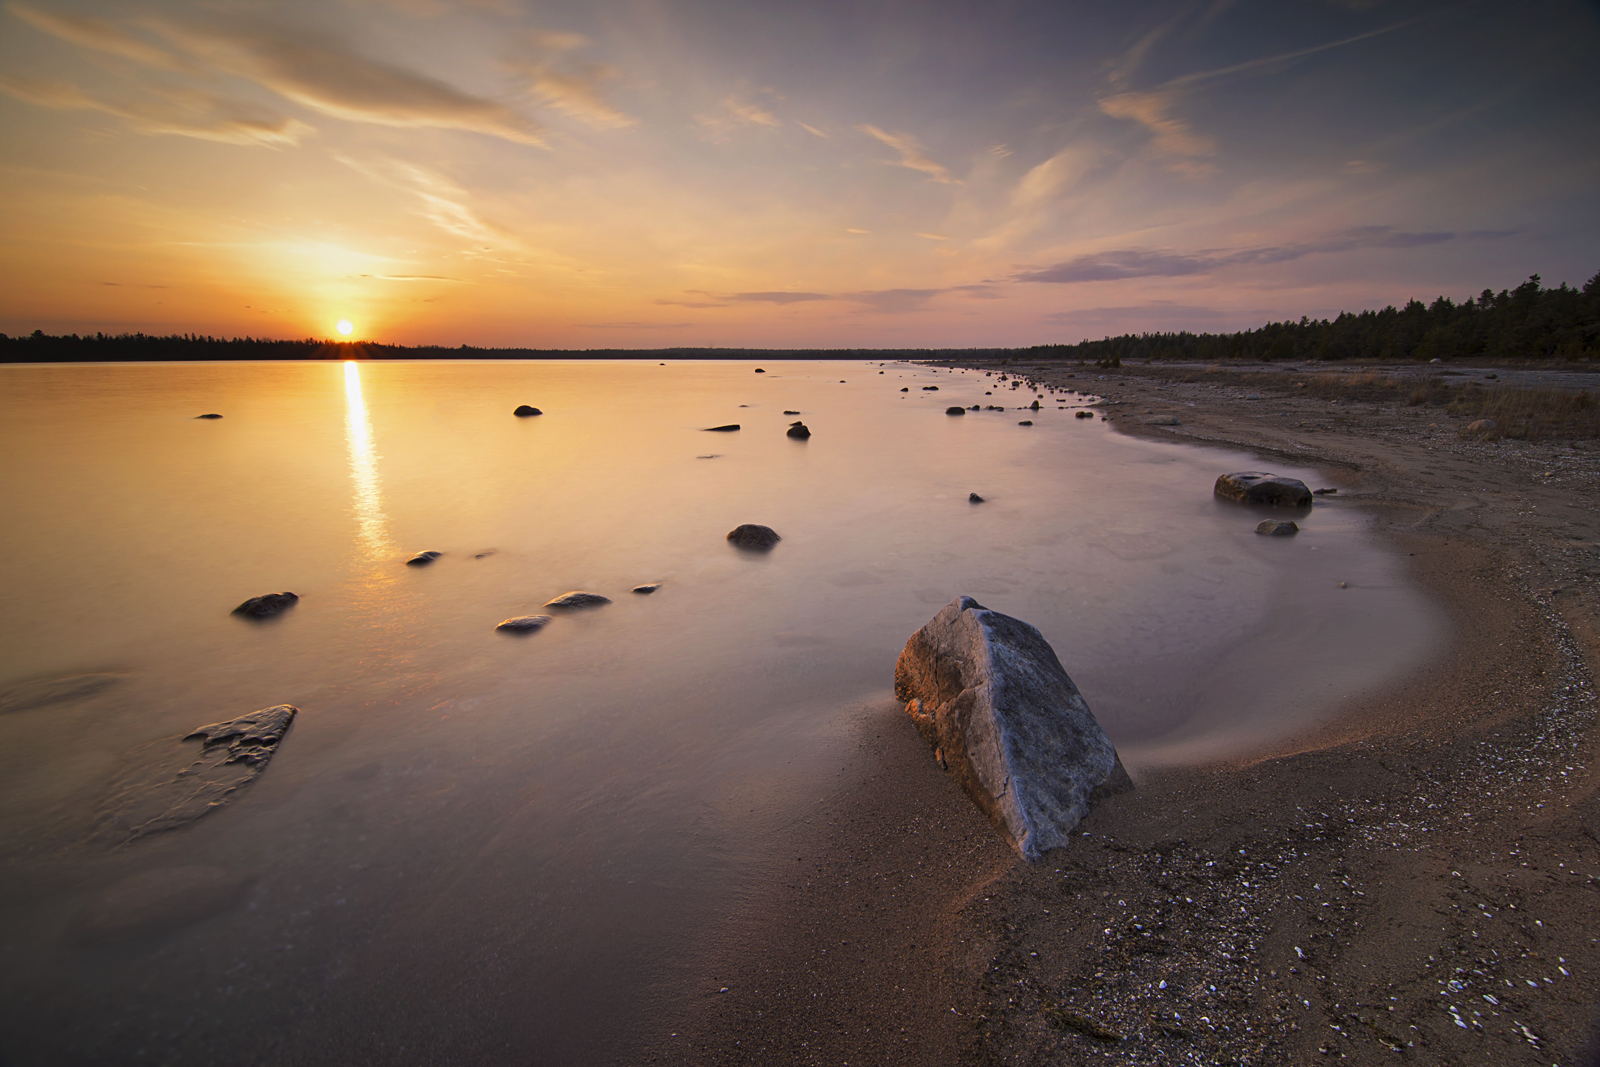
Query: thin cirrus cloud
1119, 264
574, 90
440, 200
187, 113
316, 71
912, 156
882, 300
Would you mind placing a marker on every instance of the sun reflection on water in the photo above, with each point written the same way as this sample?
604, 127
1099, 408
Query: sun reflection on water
372, 530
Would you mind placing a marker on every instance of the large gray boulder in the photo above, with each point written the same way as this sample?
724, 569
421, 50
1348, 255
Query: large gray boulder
987, 692
1259, 487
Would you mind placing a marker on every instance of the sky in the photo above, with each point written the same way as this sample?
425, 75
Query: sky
811, 173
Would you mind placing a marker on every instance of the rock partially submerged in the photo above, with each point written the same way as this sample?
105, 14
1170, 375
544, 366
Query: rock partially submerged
988, 694
974, 498
729, 428
647, 588
422, 559
169, 785
955, 411
525, 410
524, 624
54, 688
798, 431
578, 599
1258, 487
1276, 528
266, 604
209, 415
751, 535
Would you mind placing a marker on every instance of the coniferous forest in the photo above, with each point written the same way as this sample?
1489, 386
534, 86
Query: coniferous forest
1529, 322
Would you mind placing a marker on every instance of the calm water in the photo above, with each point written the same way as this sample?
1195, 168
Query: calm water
474, 847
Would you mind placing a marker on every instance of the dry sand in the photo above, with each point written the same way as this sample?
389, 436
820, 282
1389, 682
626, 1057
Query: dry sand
1416, 881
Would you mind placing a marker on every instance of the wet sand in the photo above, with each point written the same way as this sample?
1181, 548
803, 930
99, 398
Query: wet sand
1417, 879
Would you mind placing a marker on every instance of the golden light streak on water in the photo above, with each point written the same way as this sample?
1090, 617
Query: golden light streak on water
372, 532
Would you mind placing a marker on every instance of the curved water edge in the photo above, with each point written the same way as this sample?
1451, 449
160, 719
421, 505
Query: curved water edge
557, 815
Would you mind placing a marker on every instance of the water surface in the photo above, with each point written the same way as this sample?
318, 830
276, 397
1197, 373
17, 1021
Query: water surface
474, 847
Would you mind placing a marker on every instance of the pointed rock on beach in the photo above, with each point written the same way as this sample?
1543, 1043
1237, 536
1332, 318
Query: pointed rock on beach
988, 694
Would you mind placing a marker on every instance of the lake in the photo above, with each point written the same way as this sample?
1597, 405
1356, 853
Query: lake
477, 847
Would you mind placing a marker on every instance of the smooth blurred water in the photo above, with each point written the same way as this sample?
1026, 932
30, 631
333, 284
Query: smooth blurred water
481, 848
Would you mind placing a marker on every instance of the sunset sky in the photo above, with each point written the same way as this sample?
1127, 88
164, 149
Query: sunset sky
638, 173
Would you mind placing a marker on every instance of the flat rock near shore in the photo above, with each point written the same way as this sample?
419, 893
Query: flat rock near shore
987, 692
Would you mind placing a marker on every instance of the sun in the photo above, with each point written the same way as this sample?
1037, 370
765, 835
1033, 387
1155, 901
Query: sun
345, 328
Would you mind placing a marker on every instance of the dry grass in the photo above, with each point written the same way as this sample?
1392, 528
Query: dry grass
1531, 414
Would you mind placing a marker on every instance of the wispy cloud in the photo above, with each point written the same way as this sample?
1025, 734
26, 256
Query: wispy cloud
911, 154
442, 201
735, 115
881, 300
189, 113
1118, 264
97, 35
777, 298
575, 90
812, 130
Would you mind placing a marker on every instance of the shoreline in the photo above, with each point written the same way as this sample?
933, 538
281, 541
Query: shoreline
1360, 890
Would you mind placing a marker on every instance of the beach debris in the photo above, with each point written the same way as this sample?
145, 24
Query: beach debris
209, 415
974, 498
1258, 487
524, 624
53, 689
422, 559
798, 431
955, 411
266, 604
1276, 528
525, 410
155, 901
1163, 420
578, 599
732, 426
987, 692
647, 588
168, 784
751, 535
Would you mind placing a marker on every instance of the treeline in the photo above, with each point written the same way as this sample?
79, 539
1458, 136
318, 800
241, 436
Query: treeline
1528, 322
40, 347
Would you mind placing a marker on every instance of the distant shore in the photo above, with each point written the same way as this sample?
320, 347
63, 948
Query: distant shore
1419, 874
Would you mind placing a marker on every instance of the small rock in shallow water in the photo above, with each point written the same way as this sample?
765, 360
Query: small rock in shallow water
524, 411
1276, 528
930, 388
209, 415
1025, 422
524, 624
650, 587
266, 604
1258, 487
751, 535
722, 429
1323, 492
798, 431
974, 498
422, 559
760, 371
791, 413
955, 411
578, 599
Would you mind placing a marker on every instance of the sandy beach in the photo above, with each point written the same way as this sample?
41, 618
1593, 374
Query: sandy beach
1417, 878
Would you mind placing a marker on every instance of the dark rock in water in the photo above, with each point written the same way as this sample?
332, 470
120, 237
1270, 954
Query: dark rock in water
955, 411
53, 689
710, 455
1034, 405
168, 784
1258, 487
732, 426
647, 588
798, 431
905, 388
209, 415
988, 694
524, 624
1083, 414
524, 411
751, 535
930, 388
422, 559
1323, 492
976, 408
266, 604
1025, 422
974, 498
760, 371
577, 599
791, 413
1276, 528
156, 901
